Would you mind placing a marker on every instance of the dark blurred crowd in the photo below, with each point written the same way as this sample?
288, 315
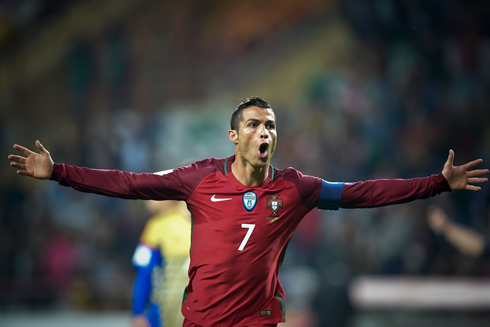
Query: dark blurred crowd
412, 83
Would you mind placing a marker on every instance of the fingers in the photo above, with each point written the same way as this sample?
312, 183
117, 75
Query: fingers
40, 147
23, 173
15, 158
18, 165
28, 152
472, 188
472, 164
450, 158
24, 150
477, 172
477, 180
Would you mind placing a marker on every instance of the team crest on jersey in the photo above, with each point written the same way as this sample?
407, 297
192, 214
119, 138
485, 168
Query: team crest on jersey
274, 204
249, 200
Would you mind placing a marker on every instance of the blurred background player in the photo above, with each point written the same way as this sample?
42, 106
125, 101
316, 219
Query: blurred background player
464, 239
162, 260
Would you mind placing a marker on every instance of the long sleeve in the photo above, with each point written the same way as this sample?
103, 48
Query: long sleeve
383, 192
141, 291
145, 259
121, 184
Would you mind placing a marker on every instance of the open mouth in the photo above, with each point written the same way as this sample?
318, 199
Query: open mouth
263, 150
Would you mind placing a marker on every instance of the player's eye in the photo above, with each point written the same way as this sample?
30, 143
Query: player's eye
252, 124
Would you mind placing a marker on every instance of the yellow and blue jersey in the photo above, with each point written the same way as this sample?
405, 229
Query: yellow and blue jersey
162, 259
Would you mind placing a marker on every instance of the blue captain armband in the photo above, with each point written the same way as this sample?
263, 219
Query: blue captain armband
330, 196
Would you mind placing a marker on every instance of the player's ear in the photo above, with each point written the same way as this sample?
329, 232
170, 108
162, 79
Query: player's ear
233, 136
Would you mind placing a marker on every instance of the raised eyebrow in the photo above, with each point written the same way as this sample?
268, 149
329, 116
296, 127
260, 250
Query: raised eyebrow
255, 120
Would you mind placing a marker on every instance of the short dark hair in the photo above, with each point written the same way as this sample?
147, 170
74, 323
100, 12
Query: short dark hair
236, 116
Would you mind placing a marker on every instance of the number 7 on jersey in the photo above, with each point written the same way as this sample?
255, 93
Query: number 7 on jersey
247, 236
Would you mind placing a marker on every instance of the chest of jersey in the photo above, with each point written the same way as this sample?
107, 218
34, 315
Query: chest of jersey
231, 217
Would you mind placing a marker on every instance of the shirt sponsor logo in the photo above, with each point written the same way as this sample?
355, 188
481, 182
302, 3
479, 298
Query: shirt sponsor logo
215, 199
274, 203
249, 200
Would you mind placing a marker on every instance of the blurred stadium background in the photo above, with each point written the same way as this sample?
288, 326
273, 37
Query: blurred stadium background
362, 89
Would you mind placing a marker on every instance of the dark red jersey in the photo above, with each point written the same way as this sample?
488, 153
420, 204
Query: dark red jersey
240, 233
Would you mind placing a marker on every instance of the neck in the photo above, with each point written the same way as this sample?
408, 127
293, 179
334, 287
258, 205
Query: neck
247, 174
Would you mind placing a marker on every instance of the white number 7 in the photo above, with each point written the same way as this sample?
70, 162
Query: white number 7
247, 236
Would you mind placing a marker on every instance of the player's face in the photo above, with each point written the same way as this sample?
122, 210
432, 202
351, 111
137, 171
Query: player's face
257, 137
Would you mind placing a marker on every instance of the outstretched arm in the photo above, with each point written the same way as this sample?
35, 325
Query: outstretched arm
462, 177
464, 239
382, 192
109, 182
37, 165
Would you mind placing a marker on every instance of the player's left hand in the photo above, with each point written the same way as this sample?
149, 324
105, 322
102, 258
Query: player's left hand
462, 177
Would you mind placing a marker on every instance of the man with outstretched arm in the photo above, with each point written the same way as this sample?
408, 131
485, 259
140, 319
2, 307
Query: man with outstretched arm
244, 212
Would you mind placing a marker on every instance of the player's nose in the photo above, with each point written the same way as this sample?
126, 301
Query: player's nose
264, 133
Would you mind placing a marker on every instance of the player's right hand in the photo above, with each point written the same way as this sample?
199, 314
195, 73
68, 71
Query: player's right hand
37, 165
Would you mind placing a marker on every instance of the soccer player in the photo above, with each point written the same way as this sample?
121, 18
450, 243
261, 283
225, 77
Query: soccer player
244, 212
466, 240
162, 260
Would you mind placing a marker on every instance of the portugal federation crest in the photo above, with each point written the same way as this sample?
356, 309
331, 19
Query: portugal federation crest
274, 204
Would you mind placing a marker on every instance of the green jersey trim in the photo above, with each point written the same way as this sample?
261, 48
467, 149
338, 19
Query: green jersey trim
283, 307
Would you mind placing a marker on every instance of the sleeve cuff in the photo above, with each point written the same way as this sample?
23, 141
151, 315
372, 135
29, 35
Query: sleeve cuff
441, 183
57, 172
